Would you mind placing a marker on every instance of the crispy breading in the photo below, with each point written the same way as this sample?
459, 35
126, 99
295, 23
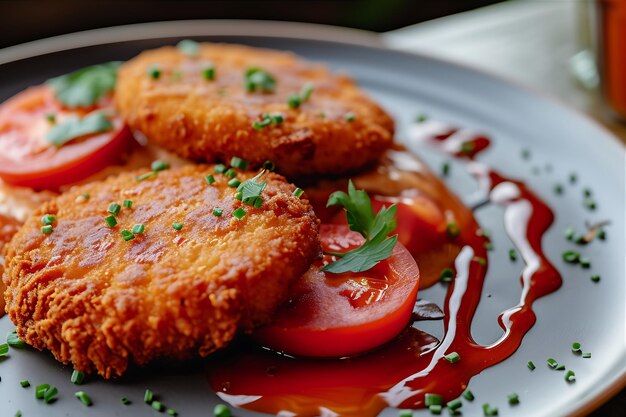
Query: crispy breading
100, 302
337, 130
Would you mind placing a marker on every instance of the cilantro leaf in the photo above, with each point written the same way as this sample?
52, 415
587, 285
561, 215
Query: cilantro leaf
83, 88
251, 189
74, 127
358, 208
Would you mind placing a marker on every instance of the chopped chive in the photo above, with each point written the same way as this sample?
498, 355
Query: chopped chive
208, 73
239, 196
25, 383
453, 229
452, 357
294, 101
277, 118
513, 398
51, 118
260, 124
269, 165
159, 165
148, 396
258, 202
512, 255
188, 47
526, 153
146, 176
157, 405
576, 347
125, 400
446, 275
128, 203
210, 179
46, 230
86, 196
177, 226
590, 204
138, 229
560, 368
435, 409
480, 261
50, 394
298, 192
558, 189
127, 235
14, 340
587, 192
239, 163
48, 219
350, 117
234, 183
468, 395
571, 257
467, 147
40, 390
573, 178
433, 399
239, 213
306, 91
110, 221
454, 405
83, 398
77, 377
114, 209
420, 118
595, 278
585, 263
221, 410
586, 355
18, 413
531, 365
445, 169
552, 363
570, 376
217, 211
489, 411
154, 72
570, 233
230, 173
258, 79
171, 412
220, 168
601, 234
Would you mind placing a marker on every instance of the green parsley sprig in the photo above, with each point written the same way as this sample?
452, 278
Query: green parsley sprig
375, 229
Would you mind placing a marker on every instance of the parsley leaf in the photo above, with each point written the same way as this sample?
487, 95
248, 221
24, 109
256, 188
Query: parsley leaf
251, 190
375, 230
83, 88
74, 127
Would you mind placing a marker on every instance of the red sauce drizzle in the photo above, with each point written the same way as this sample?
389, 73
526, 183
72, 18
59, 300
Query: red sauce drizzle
402, 372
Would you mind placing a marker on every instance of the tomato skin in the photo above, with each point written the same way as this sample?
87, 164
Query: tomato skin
326, 319
30, 162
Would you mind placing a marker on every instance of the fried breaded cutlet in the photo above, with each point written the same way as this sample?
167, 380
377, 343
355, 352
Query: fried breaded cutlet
259, 104
194, 272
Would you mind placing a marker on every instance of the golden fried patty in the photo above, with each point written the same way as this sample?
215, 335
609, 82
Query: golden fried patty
100, 302
169, 96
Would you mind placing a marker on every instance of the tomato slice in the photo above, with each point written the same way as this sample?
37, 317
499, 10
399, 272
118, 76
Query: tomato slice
29, 160
336, 315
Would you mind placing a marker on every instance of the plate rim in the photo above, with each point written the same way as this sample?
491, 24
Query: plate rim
315, 32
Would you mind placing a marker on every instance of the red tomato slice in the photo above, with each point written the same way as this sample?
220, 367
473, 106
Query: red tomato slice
336, 315
29, 160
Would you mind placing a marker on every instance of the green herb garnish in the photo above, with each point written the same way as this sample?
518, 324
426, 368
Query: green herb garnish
513, 398
468, 395
239, 163
189, 47
47, 219
75, 127
110, 221
221, 410
114, 209
25, 383
138, 229
46, 230
128, 203
453, 357
239, 213
251, 189
14, 340
83, 398
77, 377
256, 79
531, 365
298, 192
177, 226
83, 88
159, 165
208, 73
127, 235
217, 211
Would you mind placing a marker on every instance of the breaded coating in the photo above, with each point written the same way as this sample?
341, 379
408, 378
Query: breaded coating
168, 96
101, 302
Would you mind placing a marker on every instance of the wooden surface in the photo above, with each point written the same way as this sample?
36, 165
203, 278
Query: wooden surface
531, 42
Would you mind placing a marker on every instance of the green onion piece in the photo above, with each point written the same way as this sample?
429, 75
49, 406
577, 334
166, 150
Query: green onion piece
154, 72
220, 168
531, 365
148, 396
208, 73
435, 409
405, 413
552, 363
127, 235
18, 413
46, 230
420, 118
294, 101
86, 196
138, 229
258, 125
306, 91
14, 340
480, 261
157, 405
210, 179
128, 203
258, 202
114, 209
51, 118
48, 219
83, 398
125, 400
453, 229
586, 355
171, 412
40, 390
558, 189
601, 234
110, 221
573, 178
512, 255
445, 169
269, 165
489, 411
513, 398
576, 347
595, 278
239, 213
454, 405
217, 211
452, 357
570, 233
177, 226
570, 376
350, 117
77, 377
571, 257
239, 163
446, 275
587, 192
585, 263
468, 395
50, 394
231, 173
158, 165
257, 79
433, 399
239, 196
590, 204
24, 383
145, 176
560, 368
298, 192
234, 183
221, 410
188, 47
